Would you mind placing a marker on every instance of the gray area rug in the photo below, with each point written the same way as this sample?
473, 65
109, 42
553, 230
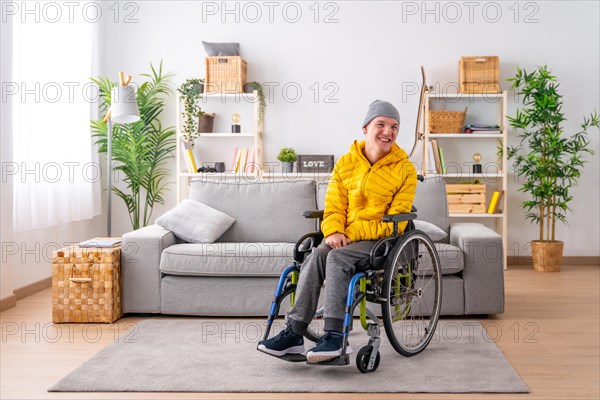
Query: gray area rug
194, 355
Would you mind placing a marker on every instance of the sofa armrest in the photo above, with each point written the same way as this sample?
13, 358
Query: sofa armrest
483, 272
140, 261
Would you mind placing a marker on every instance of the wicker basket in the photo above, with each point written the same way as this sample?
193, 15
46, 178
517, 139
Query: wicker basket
86, 285
466, 198
224, 74
480, 74
443, 121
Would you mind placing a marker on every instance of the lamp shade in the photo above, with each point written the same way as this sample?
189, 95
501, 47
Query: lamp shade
124, 109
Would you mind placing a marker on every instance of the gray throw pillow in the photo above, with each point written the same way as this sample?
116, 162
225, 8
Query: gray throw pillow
195, 222
221, 49
433, 231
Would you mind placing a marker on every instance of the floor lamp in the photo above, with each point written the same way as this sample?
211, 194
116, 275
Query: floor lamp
123, 110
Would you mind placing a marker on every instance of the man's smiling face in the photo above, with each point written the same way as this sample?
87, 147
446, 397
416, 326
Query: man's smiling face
381, 134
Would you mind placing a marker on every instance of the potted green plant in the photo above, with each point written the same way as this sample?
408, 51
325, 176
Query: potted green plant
191, 91
140, 150
549, 162
262, 104
205, 122
287, 156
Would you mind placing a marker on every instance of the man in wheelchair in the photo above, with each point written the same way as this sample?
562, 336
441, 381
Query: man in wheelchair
373, 179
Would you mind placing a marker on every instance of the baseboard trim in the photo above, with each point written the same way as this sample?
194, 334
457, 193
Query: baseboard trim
33, 288
567, 260
8, 302
25, 291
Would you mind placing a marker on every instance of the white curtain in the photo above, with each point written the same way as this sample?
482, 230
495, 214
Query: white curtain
58, 176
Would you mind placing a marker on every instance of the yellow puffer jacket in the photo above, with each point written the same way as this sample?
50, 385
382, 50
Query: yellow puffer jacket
359, 194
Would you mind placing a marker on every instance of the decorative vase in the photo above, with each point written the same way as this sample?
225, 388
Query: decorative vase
547, 255
206, 123
287, 167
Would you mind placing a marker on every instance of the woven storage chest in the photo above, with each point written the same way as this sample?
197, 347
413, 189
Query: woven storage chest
479, 74
466, 198
86, 284
443, 121
224, 74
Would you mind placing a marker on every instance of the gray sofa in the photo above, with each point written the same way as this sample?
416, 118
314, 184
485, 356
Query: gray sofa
237, 275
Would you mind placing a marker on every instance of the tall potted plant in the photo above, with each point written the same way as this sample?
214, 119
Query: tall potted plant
549, 162
141, 149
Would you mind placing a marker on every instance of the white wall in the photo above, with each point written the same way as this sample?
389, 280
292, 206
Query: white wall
374, 50
365, 50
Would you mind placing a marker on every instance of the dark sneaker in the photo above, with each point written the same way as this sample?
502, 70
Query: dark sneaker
328, 347
285, 342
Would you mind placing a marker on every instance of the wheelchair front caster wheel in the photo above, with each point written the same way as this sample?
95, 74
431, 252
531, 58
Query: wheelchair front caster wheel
363, 359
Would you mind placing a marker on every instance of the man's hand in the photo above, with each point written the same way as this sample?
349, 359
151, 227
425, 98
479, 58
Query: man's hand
337, 240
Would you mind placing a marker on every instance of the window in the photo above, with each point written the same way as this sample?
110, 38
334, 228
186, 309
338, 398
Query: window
57, 179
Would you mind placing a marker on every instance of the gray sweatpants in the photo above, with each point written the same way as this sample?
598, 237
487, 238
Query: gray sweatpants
336, 268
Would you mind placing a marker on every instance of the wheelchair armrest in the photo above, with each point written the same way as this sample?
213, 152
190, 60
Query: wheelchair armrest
305, 244
313, 214
380, 251
399, 217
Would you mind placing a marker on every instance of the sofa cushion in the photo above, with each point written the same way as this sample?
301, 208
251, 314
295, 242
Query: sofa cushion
227, 259
451, 259
434, 233
431, 203
221, 49
266, 212
321, 192
195, 222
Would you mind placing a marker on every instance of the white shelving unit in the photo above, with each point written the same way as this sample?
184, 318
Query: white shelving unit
459, 148
210, 141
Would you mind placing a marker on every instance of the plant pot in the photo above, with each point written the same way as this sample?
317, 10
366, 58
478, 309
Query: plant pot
547, 255
287, 167
206, 123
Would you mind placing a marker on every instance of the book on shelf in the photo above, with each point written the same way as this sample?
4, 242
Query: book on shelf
489, 132
234, 160
483, 128
442, 160
436, 156
495, 202
244, 160
431, 165
251, 161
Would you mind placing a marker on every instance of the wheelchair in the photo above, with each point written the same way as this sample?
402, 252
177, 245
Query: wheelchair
402, 274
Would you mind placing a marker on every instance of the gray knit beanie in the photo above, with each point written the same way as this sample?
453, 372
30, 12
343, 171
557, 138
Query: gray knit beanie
380, 108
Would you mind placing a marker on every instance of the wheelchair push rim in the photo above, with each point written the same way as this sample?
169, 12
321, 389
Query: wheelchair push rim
412, 286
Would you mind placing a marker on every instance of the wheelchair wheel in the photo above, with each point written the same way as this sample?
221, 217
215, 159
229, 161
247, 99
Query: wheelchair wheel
363, 357
412, 283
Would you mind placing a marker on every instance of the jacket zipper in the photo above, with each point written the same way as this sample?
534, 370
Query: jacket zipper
364, 182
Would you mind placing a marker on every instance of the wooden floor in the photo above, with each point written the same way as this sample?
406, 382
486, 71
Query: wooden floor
549, 333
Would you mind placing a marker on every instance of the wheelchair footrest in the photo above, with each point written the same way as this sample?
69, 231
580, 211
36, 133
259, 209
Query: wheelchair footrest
294, 357
288, 357
339, 360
